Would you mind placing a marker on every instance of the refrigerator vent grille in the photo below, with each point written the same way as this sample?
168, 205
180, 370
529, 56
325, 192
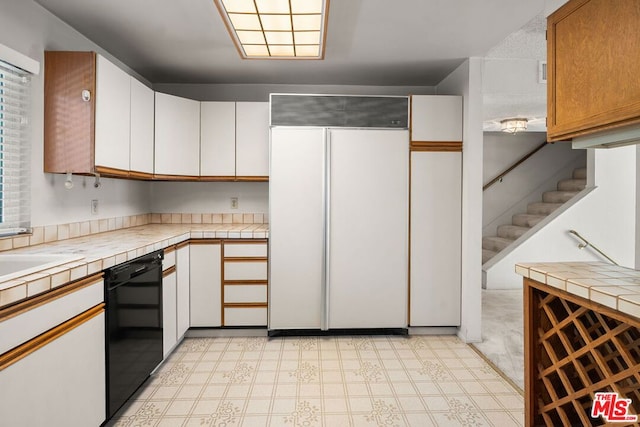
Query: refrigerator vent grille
340, 111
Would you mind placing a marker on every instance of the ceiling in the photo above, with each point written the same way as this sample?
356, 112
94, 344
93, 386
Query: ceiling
369, 42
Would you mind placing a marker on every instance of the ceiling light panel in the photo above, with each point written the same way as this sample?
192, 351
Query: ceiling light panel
265, 29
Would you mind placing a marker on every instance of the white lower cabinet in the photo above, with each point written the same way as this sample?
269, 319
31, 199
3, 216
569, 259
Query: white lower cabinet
169, 313
182, 290
245, 279
205, 268
436, 239
59, 384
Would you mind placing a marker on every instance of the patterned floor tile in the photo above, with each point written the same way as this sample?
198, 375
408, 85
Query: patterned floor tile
325, 382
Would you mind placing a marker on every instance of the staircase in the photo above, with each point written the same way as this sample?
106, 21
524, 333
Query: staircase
536, 212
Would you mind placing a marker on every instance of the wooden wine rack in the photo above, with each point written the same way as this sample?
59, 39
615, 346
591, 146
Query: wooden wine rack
573, 349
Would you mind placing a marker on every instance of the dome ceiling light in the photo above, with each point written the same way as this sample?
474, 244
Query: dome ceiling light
513, 125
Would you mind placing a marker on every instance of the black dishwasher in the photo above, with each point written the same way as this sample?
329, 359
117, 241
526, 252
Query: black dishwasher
133, 295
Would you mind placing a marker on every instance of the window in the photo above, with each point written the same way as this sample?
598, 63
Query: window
15, 200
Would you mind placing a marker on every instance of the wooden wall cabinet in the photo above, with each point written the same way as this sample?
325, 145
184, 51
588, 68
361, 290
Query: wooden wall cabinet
94, 114
593, 58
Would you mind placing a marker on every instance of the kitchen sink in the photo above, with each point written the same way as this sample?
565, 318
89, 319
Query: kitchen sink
16, 265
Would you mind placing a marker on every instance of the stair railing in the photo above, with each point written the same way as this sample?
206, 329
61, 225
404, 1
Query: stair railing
512, 167
587, 243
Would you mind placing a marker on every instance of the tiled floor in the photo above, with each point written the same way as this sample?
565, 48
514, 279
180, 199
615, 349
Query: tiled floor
325, 381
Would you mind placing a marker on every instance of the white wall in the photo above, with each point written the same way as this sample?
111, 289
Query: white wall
606, 216
260, 92
28, 28
466, 80
526, 183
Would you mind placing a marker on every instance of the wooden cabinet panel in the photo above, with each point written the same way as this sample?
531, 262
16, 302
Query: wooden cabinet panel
218, 139
142, 124
593, 57
252, 140
177, 136
68, 119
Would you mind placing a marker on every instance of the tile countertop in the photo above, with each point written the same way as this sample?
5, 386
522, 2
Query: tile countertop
607, 284
104, 250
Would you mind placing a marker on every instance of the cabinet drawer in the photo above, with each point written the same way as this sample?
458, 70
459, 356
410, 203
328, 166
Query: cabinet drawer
25, 326
251, 270
245, 293
236, 250
245, 316
169, 259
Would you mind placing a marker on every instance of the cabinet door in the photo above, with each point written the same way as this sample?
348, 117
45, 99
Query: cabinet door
296, 239
252, 139
206, 277
593, 62
169, 314
113, 115
177, 136
142, 123
182, 266
436, 203
436, 118
218, 139
59, 384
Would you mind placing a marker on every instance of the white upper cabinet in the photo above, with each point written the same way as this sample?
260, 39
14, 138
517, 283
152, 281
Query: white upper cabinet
436, 118
142, 118
252, 139
113, 118
218, 139
177, 136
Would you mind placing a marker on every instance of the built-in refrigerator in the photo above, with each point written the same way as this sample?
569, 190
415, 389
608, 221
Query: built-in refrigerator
338, 217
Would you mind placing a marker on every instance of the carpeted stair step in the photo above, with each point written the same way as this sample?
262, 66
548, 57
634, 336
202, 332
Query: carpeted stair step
511, 231
572, 184
487, 255
542, 208
495, 243
558, 196
580, 173
526, 220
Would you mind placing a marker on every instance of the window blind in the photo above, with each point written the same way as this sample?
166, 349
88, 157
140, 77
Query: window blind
15, 200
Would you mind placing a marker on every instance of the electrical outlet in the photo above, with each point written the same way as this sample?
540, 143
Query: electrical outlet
234, 203
94, 207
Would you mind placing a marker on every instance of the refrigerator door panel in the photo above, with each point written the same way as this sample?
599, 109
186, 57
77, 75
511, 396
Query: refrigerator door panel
296, 223
368, 233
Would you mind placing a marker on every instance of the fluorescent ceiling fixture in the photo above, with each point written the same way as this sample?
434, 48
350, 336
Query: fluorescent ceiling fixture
276, 29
